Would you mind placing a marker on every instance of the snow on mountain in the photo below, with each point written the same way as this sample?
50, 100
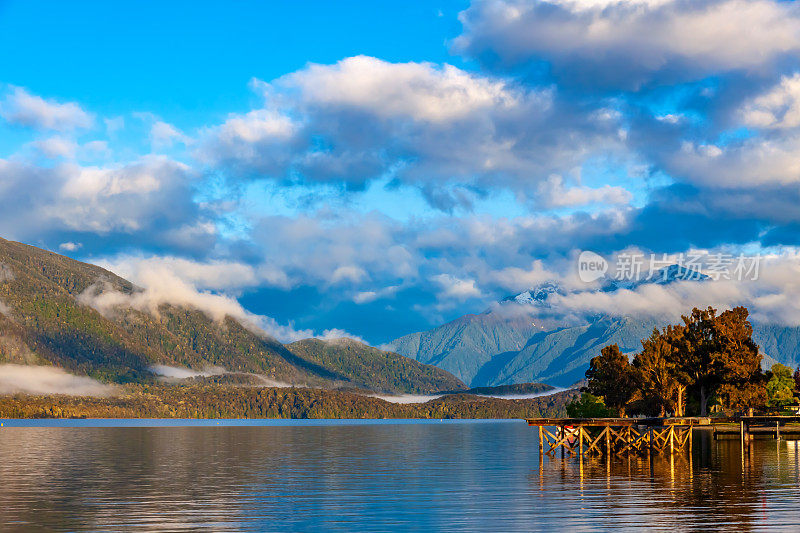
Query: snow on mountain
501, 346
536, 295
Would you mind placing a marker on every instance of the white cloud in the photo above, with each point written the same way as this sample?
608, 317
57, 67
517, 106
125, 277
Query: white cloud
152, 196
516, 278
774, 297
778, 108
54, 147
455, 288
632, 42
416, 91
70, 246
162, 285
365, 297
262, 141
164, 135
748, 164
215, 275
62, 147
351, 273
21, 107
48, 380
553, 192
439, 128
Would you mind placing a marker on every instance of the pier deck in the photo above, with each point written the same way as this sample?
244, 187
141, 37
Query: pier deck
619, 436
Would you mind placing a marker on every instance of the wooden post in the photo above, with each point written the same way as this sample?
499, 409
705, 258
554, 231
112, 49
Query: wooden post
671, 447
580, 441
741, 435
690, 439
747, 436
541, 441
777, 430
608, 441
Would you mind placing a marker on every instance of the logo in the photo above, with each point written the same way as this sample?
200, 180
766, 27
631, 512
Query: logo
591, 266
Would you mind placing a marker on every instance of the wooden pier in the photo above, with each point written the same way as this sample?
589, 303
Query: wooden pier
645, 436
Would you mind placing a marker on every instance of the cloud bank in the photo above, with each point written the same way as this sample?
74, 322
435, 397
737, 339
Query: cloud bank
381, 197
48, 380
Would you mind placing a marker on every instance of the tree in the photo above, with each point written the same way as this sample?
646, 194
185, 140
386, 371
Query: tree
780, 387
696, 349
612, 377
587, 406
662, 375
720, 358
737, 362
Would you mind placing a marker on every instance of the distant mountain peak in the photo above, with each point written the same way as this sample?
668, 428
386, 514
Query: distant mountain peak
663, 276
537, 295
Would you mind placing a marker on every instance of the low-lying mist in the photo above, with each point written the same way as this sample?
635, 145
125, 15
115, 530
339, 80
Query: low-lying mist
422, 398
48, 380
178, 372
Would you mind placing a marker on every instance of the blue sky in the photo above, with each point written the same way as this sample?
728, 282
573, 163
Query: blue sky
190, 62
380, 168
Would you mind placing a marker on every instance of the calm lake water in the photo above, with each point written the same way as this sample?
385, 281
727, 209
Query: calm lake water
374, 476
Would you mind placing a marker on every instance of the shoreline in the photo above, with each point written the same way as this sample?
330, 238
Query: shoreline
233, 422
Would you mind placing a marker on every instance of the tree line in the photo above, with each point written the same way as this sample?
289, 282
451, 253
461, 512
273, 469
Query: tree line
233, 401
709, 359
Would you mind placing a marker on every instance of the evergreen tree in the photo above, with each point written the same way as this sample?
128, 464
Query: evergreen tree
661, 373
612, 377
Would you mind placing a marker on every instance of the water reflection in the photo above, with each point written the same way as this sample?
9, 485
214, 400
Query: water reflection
385, 477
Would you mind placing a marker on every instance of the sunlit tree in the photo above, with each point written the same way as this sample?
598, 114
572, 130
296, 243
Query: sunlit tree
612, 376
662, 374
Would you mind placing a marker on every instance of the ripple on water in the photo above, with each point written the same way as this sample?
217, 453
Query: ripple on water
433, 477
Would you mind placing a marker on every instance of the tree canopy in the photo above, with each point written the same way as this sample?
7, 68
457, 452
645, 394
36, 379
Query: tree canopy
683, 367
611, 376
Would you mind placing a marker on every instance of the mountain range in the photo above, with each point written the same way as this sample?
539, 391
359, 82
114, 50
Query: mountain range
48, 318
504, 345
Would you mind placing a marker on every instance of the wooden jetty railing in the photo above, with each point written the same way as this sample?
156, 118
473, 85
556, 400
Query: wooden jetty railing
618, 436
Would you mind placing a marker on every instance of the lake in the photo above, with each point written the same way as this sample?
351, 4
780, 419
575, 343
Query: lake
373, 476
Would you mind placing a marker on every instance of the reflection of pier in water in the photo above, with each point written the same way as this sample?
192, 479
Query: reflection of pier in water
646, 436
708, 489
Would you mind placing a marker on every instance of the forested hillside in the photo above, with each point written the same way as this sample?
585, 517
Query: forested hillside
47, 317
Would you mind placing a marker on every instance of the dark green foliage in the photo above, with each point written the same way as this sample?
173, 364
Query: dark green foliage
588, 406
611, 376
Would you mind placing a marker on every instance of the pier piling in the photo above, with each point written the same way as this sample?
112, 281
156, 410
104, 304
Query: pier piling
653, 436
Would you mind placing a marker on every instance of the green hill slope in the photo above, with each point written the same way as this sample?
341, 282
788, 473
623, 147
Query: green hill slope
45, 319
367, 367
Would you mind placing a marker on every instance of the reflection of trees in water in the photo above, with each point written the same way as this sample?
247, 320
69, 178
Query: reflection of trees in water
423, 476
67, 478
149, 478
711, 489
268, 477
